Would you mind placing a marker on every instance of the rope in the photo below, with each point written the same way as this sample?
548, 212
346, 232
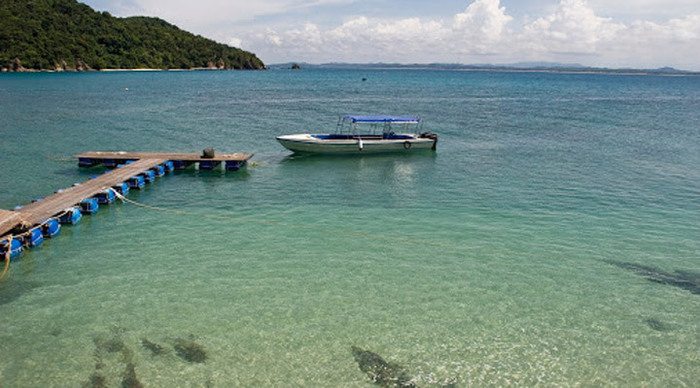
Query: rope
125, 199
60, 158
8, 253
368, 236
61, 214
175, 211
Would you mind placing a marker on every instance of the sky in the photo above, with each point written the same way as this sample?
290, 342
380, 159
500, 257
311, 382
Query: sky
606, 33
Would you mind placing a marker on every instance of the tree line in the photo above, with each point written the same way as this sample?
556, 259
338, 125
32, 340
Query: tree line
66, 34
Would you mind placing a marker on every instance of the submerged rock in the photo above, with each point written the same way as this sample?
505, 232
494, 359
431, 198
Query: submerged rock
379, 370
127, 355
682, 279
96, 380
109, 345
11, 291
189, 350
155, 349
129, 380
658, 325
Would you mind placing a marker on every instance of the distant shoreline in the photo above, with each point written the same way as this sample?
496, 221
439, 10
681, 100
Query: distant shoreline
465, 68
554, 68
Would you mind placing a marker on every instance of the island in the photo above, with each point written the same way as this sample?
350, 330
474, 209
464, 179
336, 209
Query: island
60, 35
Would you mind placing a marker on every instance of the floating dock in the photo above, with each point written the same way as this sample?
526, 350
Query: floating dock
181, 160
29, 224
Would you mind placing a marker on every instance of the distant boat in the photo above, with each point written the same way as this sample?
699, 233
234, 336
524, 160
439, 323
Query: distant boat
365, 134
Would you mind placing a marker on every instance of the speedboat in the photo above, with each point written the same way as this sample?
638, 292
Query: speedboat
365, 134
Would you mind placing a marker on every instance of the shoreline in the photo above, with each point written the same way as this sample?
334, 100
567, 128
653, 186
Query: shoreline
144, 70
481, 70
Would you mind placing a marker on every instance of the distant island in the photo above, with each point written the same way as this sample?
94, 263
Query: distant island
64, 35
543, 67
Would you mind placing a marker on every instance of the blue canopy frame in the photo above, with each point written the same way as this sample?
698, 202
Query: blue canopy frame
379, 119
378, 124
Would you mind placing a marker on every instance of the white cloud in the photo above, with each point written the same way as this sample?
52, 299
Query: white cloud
572, 28
572, 32
483, 19
235, 42
481, 25
575, 29
675, 42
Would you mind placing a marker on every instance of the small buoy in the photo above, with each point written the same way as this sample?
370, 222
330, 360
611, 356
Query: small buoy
126, 89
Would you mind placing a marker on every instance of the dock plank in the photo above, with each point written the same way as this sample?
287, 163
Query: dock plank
187, 157
9, 219
40, 211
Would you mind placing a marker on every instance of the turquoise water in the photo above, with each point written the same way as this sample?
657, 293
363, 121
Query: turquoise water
520, 253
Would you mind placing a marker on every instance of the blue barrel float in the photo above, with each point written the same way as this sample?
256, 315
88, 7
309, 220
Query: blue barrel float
110, 163
122, 188
89, 206
15, 248
87, 162
33, 237
106, 197
71, 216
169, 166
51, 227
148, 175
159, 170
208, 164
136, 182
181, 164
234, 165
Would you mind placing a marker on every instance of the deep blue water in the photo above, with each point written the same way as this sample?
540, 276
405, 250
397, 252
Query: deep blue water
552, 238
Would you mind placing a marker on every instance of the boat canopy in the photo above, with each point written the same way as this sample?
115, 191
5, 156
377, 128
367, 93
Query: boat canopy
379, 119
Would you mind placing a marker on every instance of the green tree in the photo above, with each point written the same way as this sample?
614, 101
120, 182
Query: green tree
46, 33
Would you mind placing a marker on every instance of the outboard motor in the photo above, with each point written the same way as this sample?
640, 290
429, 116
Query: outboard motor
430, 135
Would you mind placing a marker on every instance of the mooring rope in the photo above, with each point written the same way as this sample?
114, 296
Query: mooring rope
354, 233
125, 199
174, 211
8, 253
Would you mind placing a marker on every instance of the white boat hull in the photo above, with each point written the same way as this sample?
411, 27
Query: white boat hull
305, 143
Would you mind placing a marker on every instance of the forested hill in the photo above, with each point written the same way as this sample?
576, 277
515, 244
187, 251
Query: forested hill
68, 35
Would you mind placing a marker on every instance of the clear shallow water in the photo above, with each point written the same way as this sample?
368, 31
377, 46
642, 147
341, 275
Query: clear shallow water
486, 263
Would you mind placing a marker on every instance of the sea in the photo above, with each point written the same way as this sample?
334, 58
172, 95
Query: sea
552, 239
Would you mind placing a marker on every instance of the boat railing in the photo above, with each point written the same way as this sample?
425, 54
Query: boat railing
377, 128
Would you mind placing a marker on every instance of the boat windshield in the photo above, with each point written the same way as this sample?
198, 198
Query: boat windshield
378, 124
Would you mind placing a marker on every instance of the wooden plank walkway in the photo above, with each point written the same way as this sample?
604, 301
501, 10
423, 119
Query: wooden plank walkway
9, 219
38, 212
185, 157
